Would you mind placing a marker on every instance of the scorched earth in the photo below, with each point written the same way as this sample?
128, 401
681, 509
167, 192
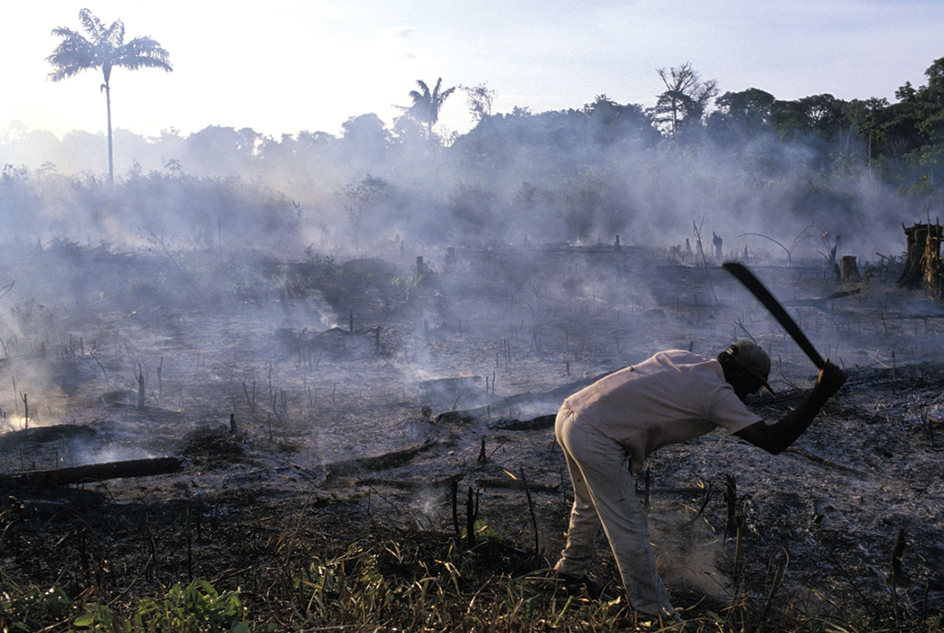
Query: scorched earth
318, 404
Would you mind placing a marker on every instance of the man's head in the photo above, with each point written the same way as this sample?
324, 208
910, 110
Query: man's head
746, 366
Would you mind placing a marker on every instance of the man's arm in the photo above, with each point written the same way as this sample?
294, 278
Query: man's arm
776, 437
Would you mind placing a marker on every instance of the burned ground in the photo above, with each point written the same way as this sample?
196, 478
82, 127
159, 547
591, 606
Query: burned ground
318, 388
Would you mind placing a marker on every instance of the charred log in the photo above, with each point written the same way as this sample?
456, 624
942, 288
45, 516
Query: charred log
821, 304
91, 473
522, 402
825, 462
539, 423
379, 462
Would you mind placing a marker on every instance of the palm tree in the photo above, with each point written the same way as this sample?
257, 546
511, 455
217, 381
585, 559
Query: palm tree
426, 104
104, 48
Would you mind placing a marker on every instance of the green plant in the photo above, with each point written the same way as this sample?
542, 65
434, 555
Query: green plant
196, 607
99, 618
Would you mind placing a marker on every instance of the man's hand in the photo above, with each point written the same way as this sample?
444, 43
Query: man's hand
776, 437
829, 380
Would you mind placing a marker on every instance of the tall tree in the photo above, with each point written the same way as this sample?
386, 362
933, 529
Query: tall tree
480, 101
740, 115
931, 103
104, 48
427, 104
611, 122
749, 108
685, 98
863, 118
820, 114
911, 132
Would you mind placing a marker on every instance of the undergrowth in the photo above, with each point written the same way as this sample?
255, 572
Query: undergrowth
421, 582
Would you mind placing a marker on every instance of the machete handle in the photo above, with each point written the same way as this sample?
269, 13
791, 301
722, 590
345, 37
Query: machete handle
750, 281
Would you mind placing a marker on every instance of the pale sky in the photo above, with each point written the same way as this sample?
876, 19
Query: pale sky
283, 66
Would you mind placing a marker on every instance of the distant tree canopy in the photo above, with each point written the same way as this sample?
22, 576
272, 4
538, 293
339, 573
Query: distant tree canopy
900, 144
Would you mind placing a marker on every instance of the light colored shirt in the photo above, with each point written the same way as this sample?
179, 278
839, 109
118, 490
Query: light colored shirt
672, 397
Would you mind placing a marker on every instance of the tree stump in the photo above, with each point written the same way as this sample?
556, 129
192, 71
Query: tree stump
849, 268
922, 257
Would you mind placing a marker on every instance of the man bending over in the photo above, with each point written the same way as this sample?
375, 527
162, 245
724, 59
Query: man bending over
620, 420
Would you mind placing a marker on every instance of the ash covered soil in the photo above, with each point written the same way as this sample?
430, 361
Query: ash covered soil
278, 395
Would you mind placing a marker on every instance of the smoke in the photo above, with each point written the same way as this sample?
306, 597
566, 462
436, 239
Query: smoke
226, 219
101, 454
545, 178
691, 556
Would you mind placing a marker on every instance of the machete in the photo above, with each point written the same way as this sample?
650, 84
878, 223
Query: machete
752, 283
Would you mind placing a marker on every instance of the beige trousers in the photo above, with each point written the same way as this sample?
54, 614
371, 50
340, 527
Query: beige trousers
604, 493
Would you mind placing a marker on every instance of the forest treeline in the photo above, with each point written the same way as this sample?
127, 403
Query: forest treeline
698, 157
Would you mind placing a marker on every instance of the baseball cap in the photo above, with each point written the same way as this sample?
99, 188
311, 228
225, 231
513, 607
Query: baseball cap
751, 357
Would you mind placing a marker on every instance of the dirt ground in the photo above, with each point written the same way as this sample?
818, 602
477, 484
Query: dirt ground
316, 378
